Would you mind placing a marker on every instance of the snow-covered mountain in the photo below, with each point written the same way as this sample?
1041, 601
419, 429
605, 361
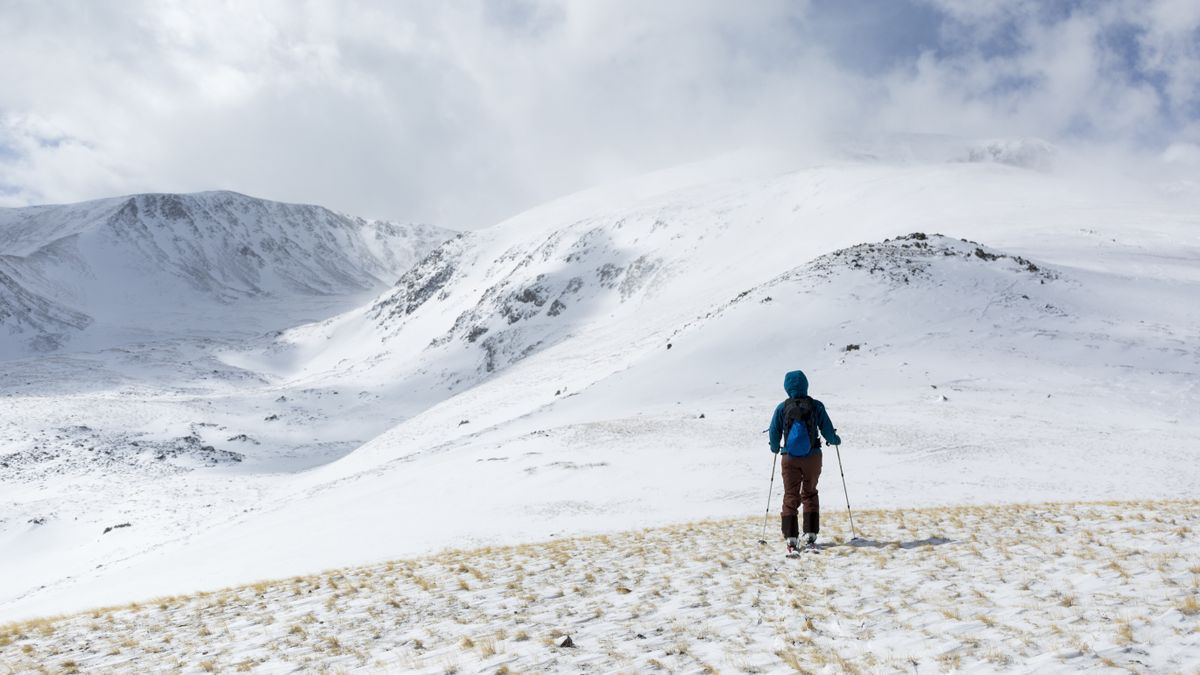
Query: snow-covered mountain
213, 262
609, 360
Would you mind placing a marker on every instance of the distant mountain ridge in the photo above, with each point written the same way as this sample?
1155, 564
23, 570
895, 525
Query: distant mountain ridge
124, 261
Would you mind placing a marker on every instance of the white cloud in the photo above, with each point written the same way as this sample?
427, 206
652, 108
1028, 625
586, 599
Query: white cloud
462, 112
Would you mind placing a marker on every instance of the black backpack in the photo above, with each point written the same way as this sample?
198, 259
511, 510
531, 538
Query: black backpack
799, 421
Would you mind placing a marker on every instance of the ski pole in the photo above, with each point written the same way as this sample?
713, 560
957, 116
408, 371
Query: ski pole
838, 449
770, 491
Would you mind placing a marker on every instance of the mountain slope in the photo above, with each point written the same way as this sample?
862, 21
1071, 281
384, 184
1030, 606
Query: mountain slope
604, 364
491, 298
626, 280
124, 265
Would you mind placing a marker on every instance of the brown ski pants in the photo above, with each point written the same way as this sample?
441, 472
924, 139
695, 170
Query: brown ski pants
800, 475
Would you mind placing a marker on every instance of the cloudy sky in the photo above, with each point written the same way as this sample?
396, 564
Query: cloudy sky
462, 112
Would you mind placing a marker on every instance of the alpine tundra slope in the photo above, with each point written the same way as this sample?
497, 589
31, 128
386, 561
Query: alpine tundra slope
981, 332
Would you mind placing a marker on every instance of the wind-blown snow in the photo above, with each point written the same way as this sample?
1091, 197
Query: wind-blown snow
608, 362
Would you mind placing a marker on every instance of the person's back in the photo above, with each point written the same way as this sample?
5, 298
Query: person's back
793, 432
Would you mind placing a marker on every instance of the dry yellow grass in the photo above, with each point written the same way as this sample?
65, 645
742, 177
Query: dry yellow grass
1190, 606
635, 601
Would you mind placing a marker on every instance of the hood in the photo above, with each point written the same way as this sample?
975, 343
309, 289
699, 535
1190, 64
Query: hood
795, 384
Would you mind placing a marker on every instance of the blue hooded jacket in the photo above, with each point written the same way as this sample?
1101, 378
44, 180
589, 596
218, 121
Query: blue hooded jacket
796, 384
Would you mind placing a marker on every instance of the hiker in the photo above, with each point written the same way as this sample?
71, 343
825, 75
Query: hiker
796, 422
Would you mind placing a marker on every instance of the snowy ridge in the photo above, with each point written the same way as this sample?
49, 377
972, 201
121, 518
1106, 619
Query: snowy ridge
1028, 153
1084, 586
929, 263
490, 299
134, 262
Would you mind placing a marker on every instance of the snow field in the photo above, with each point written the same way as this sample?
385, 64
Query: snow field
1028, 588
